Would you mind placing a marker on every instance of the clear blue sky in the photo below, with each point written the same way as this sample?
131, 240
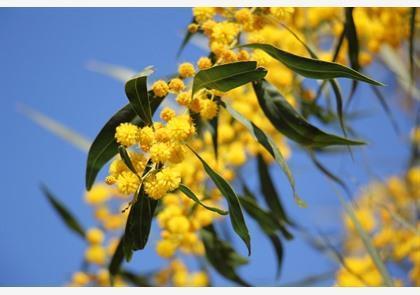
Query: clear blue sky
43, 60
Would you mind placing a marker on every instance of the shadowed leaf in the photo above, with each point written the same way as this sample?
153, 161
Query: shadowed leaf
193, 197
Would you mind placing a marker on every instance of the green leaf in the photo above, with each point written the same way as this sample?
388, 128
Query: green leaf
63, 212
139, 222
117, 259
312, 68
235, 211
228, 76
353, 45
367, 241
268, 143
269, 192
222, 256
135, 279
187, 37
104, 147
136, 91
126, 158
290, 123
278, 249
214, 123
183, 188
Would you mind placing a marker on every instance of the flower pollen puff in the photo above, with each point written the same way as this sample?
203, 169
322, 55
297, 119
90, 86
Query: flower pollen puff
160, 88
127, 134
186, 70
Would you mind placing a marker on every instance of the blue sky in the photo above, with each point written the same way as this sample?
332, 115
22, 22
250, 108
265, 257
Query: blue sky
43, 64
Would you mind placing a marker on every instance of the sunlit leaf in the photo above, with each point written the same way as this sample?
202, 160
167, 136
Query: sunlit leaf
290, 123
228, 76
189, 193
235, 211
136, 91
312, 68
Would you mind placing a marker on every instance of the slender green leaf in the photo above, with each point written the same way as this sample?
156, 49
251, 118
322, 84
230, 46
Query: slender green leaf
235, 211
126, 158
214, 123
117, 259
222, 256
373, 252
278, 249
104, 147
268, 143
290, 123
139, 222
135, 279
353, 46
228, 76
189, 193
269, 192
63, 212
269, 224
187, 37
136, 91
312, 68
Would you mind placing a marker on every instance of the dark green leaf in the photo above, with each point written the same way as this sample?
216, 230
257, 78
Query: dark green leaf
63, 212
312, 68
136, 91
126, 158
214, 123
139, 222
329, 174
269, 192
268, 143
104, 147
278, 249
117, 259
353, 46
193, 197
135, 279
228, 76
290, 123
222, 256
235, 211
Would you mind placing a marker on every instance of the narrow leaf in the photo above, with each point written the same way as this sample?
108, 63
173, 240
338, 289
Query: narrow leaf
353, 44
290, 123
312, 68
214, 123
235, 211
193, 197
63, 212
136, 91
222, 256
228, 76
268, 143
412, 41
139, 222
187, 37
126, 158
117, 259
135, 279
269, 192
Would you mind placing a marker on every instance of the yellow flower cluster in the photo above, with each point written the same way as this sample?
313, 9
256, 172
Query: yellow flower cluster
385, 211
177, 275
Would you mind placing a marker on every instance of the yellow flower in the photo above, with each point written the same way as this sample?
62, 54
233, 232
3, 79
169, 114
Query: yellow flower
165, 248
177, 153
180, 128
176, 85
95, 236
201, 14
80, 279
160, 88
159, 152
184, 98
103, 277
208, 109
146, 138
186, 70
225, 32
204, 63
98, 194
199, 279
127, 183
365, 217
178, 225
168, 178
127, 134
95, 254
167, 113
243, 55
192, 28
